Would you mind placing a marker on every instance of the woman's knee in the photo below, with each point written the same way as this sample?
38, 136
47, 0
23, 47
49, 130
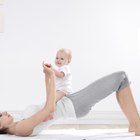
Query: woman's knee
122, 73
124, 82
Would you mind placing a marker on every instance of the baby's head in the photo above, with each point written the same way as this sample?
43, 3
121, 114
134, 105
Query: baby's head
63, 57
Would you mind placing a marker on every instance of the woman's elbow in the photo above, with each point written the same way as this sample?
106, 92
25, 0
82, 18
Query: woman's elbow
51, 109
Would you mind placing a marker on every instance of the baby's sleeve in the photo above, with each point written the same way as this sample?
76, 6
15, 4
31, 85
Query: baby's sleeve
65, 69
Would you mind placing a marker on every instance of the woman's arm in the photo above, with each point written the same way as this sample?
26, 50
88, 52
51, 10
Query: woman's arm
25, 127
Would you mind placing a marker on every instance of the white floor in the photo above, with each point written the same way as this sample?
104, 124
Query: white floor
73, 134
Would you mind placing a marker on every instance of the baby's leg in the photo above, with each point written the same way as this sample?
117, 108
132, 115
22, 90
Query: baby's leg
59, 95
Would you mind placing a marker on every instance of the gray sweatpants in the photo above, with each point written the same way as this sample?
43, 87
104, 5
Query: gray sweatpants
86, 98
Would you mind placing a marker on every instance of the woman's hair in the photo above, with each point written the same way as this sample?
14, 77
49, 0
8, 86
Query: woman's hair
3, 131
68, 53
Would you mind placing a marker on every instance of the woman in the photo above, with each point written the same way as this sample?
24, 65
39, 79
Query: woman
73, 106
25, 126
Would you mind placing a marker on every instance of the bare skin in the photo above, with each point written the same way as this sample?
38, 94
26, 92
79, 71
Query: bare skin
127, 104
25, 127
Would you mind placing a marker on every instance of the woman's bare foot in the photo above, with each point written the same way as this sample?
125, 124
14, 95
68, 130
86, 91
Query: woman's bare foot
131, 128
137, 131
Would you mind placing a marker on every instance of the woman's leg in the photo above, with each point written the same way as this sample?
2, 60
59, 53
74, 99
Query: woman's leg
127, 104
86, 98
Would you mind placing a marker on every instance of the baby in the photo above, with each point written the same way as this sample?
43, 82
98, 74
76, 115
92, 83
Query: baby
62, 73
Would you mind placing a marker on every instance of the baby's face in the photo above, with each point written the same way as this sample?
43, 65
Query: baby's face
61, 59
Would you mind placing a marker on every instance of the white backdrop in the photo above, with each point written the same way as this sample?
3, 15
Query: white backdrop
104, 36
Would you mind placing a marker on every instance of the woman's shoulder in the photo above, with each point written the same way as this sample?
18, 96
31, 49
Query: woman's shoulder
21, 130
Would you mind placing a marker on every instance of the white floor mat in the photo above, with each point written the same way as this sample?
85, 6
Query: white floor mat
72, 134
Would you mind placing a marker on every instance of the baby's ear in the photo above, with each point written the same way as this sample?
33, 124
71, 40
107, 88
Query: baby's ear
68, 61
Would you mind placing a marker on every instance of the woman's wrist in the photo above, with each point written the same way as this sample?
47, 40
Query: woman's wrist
52, 74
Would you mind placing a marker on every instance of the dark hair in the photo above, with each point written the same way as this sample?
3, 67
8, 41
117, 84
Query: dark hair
3, 131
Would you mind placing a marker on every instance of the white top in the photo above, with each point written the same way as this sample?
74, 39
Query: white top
64, 110
64, 84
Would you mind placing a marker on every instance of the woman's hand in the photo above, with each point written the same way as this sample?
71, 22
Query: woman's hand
47, 69
48, 65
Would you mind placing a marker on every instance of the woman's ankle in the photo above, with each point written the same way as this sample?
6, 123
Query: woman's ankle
137, 130
131, 128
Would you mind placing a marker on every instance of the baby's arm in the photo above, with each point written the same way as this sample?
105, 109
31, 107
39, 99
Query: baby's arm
58, 74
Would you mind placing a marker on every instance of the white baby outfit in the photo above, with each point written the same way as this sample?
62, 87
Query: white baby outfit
64, 84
